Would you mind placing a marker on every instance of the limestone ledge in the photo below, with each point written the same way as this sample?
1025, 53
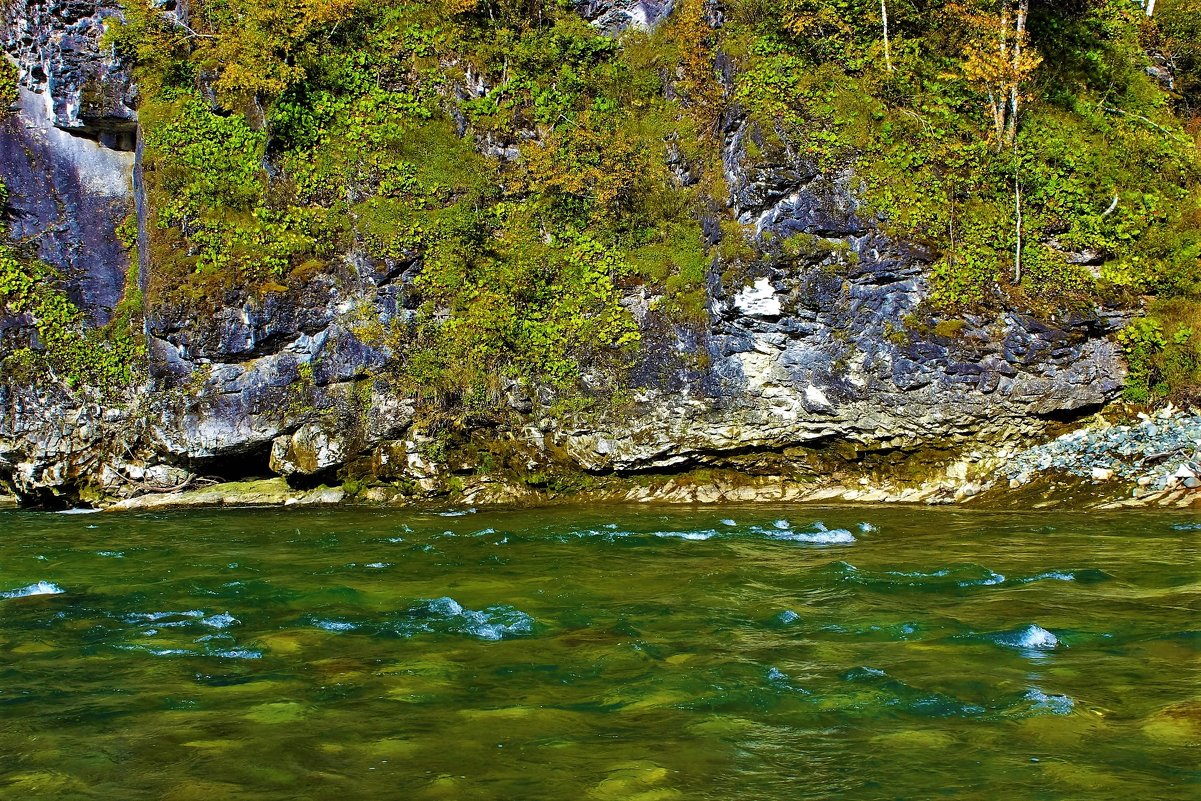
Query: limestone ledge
1064, 492
266, 492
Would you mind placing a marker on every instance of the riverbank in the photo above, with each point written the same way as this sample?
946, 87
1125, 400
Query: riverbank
1144, 461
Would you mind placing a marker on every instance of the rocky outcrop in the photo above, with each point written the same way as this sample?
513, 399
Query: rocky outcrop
66, 197
1158, 454
83, 88
66, 151
819, 359
829, 339
614, 16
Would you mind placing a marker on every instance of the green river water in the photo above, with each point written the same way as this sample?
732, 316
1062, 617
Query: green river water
619, 653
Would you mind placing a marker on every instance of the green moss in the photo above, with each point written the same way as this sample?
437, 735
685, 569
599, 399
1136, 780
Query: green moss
9, 82
950, 329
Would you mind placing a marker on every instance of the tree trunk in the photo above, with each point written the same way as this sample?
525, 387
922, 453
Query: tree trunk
1017, 206
1000, 103
1023, 10
998, 118
1150, 8
887, 45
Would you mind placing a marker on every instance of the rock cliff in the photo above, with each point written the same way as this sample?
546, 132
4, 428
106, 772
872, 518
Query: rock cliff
67, 146
823, 360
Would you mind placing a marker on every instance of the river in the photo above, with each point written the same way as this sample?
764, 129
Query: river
633, 654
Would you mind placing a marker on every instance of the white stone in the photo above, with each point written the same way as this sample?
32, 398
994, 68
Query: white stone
759, 300
816, 397
1102, 474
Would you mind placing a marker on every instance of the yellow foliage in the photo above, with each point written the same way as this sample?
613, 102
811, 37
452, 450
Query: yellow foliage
585, 163
255, 43
822, 21
999, 59
694, 39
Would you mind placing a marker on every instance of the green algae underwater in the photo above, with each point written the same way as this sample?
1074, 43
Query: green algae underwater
643, 653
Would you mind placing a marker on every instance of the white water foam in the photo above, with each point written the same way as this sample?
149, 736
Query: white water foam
480, 624
834, 536
818, 534
238, 653
1054, 703
445, 606
40, 588
334, 625
158, 651
989, 581
1051, 575
457, 512
492, 623
1031, 638
688, 535
156, 617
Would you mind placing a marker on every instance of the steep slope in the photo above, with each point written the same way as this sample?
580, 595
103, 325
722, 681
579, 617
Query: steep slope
444, 246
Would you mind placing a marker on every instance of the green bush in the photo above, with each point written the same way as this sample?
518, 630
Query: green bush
83, 358
9, 82
1163, 350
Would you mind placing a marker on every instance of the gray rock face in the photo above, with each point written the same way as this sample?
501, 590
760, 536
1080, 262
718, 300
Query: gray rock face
54, 445
824, 340
66, 196
822, 344
309, 451
57, 47
66, 154
254, 373
614, 16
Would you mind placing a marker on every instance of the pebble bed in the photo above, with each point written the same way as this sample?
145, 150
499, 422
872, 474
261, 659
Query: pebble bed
1159, 452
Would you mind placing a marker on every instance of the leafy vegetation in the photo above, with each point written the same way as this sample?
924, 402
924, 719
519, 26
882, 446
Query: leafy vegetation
82, 357
9, 81
57, 340
1178, 24
1056, 176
